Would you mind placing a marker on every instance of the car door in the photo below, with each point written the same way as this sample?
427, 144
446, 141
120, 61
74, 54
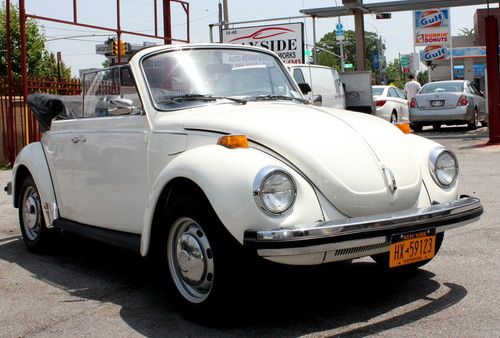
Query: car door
109, 159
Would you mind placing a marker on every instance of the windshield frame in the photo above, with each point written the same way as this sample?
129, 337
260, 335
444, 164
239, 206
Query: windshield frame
281, 65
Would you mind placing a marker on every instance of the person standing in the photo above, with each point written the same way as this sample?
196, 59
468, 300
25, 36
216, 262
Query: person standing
411, 88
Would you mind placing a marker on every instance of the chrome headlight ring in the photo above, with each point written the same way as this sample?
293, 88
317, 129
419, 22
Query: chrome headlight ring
443, 166
274, 191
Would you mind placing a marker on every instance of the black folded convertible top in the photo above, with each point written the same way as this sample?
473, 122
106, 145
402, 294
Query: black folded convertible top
46, 107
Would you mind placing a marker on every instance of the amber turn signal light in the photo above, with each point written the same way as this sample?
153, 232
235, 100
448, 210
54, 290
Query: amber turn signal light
404, 127
233, 141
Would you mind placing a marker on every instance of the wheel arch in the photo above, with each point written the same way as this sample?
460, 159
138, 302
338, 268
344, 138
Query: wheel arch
31, 161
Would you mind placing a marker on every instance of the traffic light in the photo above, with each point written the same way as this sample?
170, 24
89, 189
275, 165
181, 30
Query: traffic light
119, 49
115, 47
123, 48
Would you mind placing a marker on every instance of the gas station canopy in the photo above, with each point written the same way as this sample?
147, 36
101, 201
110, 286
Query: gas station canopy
388, 6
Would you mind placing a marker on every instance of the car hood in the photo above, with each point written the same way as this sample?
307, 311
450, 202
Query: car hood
342, 153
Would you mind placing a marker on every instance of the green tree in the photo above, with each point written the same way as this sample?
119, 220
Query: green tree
329, 42
464, 31
40, 62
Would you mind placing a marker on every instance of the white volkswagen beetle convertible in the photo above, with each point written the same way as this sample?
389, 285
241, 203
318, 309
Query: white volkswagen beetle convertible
201, 152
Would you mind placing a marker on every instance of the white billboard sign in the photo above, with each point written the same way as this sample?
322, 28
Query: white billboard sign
286, 40
431, 27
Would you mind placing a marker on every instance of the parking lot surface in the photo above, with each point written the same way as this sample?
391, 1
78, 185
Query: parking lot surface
83, 288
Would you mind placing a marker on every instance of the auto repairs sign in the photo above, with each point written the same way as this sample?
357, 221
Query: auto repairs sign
432, 27
286, 40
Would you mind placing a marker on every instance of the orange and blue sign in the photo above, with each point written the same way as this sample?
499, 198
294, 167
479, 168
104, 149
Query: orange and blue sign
432, 18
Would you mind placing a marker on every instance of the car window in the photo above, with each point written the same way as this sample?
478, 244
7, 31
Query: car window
401, 94
377, 90
392, 92
99, 88
474, 90
298, 76
439, 87
103, 86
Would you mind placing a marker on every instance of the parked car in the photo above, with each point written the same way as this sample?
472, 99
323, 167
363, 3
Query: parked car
390, 103
449, 103
200, 167
325, 83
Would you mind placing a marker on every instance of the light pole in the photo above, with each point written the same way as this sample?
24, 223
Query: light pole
379, 51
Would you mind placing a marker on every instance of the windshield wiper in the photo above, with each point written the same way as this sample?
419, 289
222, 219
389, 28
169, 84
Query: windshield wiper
199, 97
273, 97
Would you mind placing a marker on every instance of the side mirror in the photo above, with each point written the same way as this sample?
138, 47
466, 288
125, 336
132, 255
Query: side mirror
120, 106
317, 100
305, 88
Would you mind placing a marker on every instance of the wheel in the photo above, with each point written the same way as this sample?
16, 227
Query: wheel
198, 255
416, 127
394, 117
475, 121
33, 228
383, 258
436, 126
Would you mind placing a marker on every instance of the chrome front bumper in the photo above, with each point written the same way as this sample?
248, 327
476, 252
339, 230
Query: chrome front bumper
361, 236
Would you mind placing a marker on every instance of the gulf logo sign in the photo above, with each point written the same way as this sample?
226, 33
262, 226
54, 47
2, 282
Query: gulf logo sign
432, 18
434, 53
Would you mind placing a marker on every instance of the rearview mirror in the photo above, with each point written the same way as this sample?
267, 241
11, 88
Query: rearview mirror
120, 106
305, 88
317, 100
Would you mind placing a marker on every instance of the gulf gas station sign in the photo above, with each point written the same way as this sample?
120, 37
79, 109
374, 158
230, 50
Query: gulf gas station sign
432, 27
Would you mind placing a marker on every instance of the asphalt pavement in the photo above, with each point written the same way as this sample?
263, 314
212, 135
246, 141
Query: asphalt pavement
84, 288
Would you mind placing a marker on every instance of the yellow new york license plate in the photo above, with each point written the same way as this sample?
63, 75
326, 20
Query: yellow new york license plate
412, 247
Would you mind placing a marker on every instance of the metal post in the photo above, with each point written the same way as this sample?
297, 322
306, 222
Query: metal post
210, 29
9, 145
359, 24
491, 26
341, 45
314, 39
220, 22
118, 31
226, 14
167, 23
24, 66
155, 11
451, 58
75, 17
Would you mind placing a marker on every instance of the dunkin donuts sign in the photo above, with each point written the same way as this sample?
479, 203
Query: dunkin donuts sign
432, 27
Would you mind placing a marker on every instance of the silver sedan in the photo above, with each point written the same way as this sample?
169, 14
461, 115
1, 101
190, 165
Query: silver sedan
449, 103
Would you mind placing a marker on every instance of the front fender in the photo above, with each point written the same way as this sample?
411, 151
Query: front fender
32, 158
226, 177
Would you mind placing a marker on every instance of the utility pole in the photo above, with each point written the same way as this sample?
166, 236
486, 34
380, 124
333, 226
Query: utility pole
220, 22
226, 14
342, 61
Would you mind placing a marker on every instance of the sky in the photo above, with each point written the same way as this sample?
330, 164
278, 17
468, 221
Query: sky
77, 44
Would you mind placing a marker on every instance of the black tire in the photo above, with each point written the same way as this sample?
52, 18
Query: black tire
193, 226
383, 258
416, 127
36, 236
394, 117
472, 125
436, 126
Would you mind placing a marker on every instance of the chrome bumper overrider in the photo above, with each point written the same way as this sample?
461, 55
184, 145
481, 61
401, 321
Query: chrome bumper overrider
360, 236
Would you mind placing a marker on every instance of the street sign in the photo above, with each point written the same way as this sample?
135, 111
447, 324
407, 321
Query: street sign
375, 61
339, 31
404, 61
348, 65
308, 52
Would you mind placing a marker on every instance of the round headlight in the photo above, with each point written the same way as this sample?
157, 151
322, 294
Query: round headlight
274, 191
444, 167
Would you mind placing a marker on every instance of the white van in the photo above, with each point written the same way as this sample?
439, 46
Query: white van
327, 89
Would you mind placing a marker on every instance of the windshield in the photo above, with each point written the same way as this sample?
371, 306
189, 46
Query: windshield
439, 87
182, 78
377, 90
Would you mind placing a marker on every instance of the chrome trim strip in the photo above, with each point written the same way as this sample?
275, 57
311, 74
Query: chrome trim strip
358, 225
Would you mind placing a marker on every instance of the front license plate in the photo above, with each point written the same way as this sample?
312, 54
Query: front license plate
412, 247
437, 103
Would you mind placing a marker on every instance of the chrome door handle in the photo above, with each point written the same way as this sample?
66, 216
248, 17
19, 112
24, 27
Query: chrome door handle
78, 138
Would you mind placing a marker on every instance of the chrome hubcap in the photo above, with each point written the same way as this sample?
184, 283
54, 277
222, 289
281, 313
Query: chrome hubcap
190, 260
32, 213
